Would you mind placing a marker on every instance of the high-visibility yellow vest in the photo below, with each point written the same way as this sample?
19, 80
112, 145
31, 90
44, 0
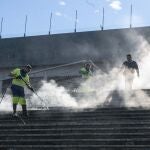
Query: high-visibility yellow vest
15, 73
85, 73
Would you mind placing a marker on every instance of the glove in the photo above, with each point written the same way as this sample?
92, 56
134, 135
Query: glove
31, 89
19, 77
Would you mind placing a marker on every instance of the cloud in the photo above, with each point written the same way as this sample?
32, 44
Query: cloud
58, 13
115, 4
62, 3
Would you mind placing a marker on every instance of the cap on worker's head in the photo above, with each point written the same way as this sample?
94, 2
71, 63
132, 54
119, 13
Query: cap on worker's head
129, 55
87, 65
29, 66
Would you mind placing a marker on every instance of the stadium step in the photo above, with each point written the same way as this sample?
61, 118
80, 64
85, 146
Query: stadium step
68, 129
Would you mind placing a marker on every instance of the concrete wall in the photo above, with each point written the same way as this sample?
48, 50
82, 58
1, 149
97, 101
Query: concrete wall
106, 47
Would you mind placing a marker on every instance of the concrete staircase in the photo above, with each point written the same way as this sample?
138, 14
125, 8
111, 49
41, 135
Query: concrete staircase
66, 129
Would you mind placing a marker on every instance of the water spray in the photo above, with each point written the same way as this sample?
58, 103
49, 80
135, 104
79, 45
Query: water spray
4, 94
33, 91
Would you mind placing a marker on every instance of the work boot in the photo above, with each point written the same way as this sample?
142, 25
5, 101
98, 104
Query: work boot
24, 111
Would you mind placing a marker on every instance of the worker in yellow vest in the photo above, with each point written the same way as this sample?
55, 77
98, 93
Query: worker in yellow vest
86, 71
20, 80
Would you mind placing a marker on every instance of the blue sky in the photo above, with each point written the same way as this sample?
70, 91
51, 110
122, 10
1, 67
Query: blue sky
117, 14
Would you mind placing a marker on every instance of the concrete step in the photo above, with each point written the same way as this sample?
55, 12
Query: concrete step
66, 110
75, 147
83, 117
90, 113
72, 135
76, 125
118, 128
104, 112
133, 141
75, 130
72, 123
76, 119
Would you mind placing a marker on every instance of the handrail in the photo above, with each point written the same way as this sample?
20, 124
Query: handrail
50, 68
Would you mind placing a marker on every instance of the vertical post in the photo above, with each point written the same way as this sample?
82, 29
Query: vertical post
50, 23
76, 18
1, 27
131, 11
25, 25
103, 19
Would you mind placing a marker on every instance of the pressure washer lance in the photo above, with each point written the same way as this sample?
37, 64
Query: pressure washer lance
22, 120
3, 95
94, 64
34, 92
41, 99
